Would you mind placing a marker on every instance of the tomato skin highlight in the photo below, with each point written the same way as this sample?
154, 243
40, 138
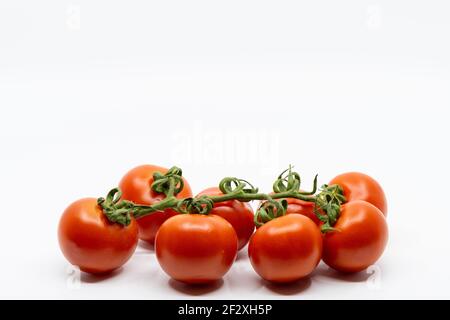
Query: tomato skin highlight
196, 249
238, 214
136, 187
359, 186
286, 249
360, 239
90, 241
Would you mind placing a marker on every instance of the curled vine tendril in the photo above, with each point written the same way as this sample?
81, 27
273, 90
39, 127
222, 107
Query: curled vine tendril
290, 181
287, 181
200, 205
170, 183
236, 186
269, 210
116, 210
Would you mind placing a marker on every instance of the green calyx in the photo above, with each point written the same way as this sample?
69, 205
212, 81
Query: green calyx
327, 202
200, 205
269, 210
117, 211
171, 183
120, 211
328, 206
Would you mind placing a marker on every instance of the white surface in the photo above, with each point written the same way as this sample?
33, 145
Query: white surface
89, 89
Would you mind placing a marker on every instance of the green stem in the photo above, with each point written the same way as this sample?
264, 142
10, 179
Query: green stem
170, 201
327, 202
245, 197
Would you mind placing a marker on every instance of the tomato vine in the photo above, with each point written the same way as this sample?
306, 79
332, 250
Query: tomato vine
287, 185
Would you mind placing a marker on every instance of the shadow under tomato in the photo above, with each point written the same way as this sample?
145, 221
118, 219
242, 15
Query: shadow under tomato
242, 255
94, 278
325, 271
145, 245
195, 289
288, 289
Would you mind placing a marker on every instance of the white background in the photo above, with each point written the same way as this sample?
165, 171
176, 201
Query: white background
90, 89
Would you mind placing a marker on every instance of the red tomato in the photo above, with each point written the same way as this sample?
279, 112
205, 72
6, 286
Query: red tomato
194, 248
286, 249
136, 187
302, 207
238, 214
359, 186
360, 239
90, 241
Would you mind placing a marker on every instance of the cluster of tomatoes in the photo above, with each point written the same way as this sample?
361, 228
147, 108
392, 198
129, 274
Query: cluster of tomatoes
201, 248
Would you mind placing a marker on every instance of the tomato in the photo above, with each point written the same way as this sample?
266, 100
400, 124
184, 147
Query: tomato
359, 240
302, 207
136, 187
195, 248
90, 241
238, 214
359, 186
286, 249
